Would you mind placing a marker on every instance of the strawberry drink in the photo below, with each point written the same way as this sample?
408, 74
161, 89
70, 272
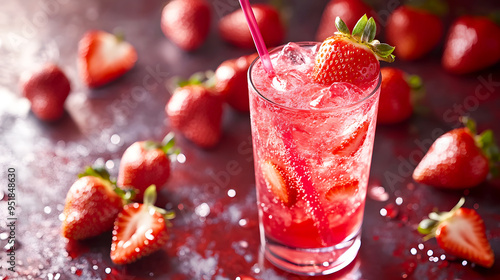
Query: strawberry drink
313, 125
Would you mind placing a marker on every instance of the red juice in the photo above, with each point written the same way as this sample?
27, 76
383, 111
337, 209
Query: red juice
312, 151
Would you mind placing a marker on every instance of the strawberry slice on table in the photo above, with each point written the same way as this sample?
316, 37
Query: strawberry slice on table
279, 182
103, 57
348, 10
414, 31
195, 110
92, 204
186, 23
231, 81
459, 159
473, 44
47, 90
233, 28
146, 163
349, 145
460, 232
395, 104
352, 58
139, 230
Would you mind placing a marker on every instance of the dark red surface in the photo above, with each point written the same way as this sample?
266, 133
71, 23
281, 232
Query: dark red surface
224, 242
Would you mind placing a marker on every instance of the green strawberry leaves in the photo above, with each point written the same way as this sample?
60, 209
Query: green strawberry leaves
364, 33
167, 145
101, 172
487, 143
429, 226
150, 200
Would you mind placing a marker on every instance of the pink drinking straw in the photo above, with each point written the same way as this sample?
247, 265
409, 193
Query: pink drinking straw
298, 164
257, 37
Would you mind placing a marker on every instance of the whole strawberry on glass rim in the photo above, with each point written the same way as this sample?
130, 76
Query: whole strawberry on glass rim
351, 57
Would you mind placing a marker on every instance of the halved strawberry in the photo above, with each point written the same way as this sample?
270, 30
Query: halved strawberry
351, 144
347, 187
139, 230
279, 182
103, 57
460, 232
353, 58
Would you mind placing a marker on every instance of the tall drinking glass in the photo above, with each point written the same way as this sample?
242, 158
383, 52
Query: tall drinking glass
312, 151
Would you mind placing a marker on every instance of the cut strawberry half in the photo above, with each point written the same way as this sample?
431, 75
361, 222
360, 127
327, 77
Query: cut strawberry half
460, 232
347, 187
279, 183
139, 230
103, 57
353, 142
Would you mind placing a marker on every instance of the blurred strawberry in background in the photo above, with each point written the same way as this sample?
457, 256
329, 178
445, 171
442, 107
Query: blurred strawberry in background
473, 43
47, 90
414, 31
233, 28
395, 103
186, 23
348, 10
231, 81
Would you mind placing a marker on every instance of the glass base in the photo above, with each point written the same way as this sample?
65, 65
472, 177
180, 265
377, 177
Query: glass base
315, 261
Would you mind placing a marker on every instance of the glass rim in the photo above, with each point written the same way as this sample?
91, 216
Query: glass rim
330, 109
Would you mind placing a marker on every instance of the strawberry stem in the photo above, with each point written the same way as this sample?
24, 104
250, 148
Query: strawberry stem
430, 225
150, 195
168, 144
150, 200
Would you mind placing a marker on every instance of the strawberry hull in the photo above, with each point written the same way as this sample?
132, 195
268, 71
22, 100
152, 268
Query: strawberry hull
315, 202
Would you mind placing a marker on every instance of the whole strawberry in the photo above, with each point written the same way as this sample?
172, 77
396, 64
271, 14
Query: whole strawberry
353, 58
196, 112
395, 96
104, 57
473, 44
458, 159
186, 23
139, 230
460, 232
413, 31
92, 204
47, 90
233, 28
145, 163
231, 82
348, 10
